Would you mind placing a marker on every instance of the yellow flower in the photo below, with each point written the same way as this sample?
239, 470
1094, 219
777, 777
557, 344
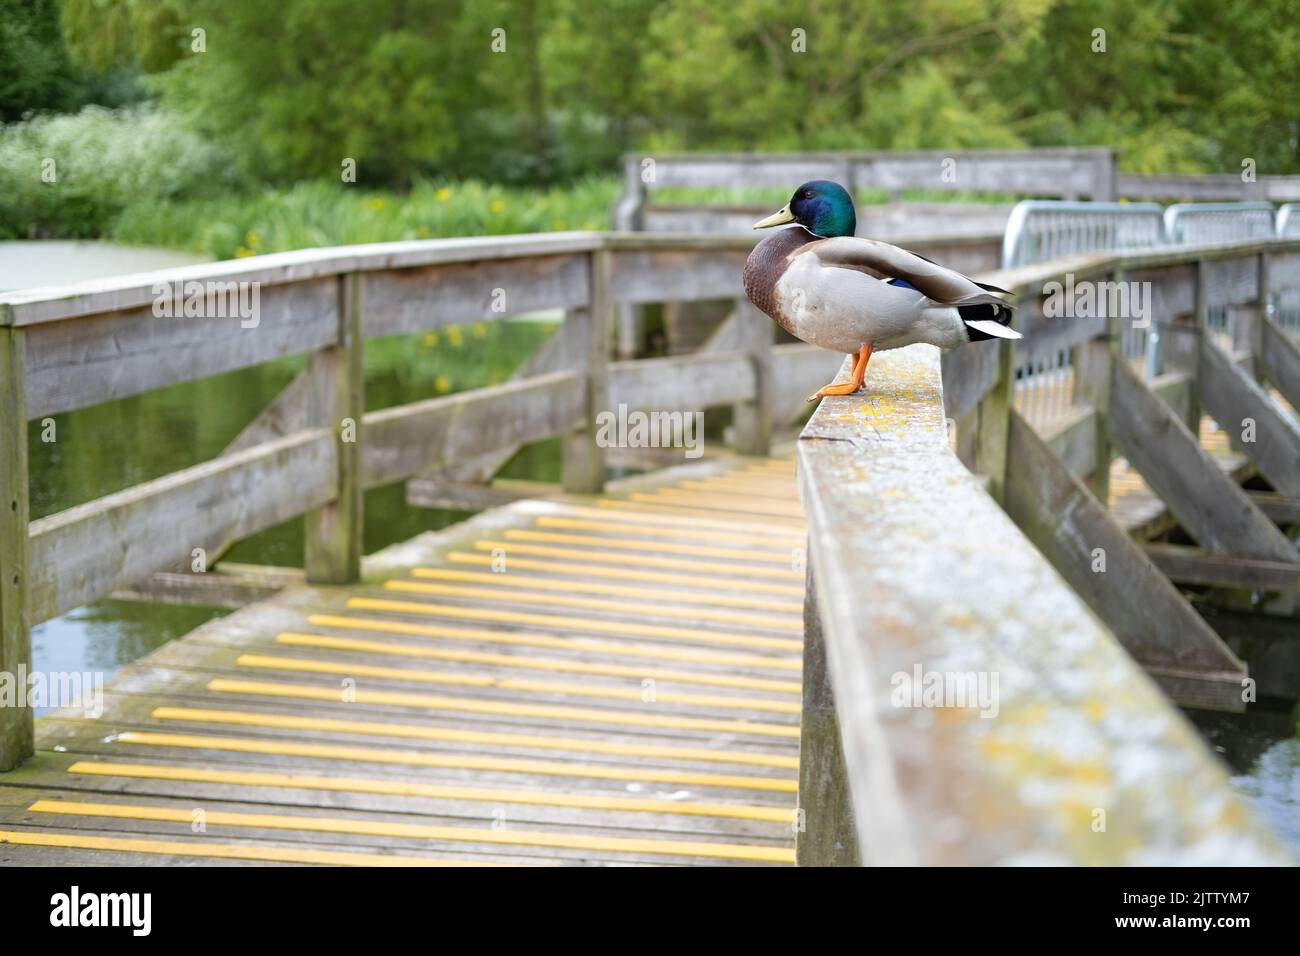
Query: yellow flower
455, 337
430, 339
242, 253
441, 385
443, 194
480, 330
423, 232
498, 205
377, 203
560, 224
251, 239
589, 225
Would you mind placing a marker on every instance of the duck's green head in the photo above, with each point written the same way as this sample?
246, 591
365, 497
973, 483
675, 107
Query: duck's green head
822, 207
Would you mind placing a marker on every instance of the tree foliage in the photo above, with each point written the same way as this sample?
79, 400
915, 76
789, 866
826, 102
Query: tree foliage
35, 70
539, 90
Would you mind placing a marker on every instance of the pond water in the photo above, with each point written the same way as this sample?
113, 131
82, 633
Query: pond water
46, 262
91, 452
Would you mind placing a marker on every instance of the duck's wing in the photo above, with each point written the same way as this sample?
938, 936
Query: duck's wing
883, 261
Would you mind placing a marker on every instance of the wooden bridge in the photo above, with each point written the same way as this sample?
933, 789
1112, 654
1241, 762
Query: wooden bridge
623, 687
672, 667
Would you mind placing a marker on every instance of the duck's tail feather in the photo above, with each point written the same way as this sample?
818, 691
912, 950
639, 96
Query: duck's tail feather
988, 320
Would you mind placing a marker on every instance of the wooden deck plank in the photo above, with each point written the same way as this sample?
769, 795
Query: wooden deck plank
572, 680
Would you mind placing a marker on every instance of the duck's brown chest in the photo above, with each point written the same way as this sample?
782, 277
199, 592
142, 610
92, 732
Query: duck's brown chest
767, 263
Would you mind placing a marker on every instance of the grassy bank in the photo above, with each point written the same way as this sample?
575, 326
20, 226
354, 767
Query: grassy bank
326, 214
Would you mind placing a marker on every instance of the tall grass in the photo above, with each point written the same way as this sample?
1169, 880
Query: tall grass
314, 214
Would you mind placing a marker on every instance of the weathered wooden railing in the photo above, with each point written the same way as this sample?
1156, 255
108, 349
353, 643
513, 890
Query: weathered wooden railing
1054, 478
961, 704
315, 449
1067, 172
1208, 187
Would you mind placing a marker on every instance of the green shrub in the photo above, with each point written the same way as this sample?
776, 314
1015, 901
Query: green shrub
97, 162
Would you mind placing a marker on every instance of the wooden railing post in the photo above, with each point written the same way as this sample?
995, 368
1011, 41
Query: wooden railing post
1200, 323
1248, 320
588, 339
995, 412
825, 834
752, 420
1093, 366
17, 731
333, 547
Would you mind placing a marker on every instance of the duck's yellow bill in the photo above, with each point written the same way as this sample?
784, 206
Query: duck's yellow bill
776, 219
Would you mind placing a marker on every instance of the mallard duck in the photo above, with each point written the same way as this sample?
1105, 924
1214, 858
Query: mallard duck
859, 296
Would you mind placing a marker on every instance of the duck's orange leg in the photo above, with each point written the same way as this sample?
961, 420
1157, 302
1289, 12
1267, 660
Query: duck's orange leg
855, 377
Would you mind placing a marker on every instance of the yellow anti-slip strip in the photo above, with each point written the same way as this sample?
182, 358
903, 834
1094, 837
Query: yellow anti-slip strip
720, 502
556, 622
503, 683
243, 718
511, 579
535, 663
721, 537
406, 788
784, 526
662, 608
785, 492
659, 652
642, 517
512, 548
740, 555
549, 768
717, 584
419, 831
207, 850
503, 708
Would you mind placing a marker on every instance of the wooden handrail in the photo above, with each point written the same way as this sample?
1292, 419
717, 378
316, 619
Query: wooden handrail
925, 590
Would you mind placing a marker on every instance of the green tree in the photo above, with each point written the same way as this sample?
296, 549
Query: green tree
35, 70
140, 35
838, 74
298, 86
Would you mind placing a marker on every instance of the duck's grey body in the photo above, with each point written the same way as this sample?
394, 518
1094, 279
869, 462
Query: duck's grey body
837, 294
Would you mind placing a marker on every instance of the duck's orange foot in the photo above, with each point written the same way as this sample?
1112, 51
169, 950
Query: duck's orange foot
847, 388
855, 377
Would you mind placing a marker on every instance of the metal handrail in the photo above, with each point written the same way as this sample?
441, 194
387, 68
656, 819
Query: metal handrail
1039, 229
1218, 221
